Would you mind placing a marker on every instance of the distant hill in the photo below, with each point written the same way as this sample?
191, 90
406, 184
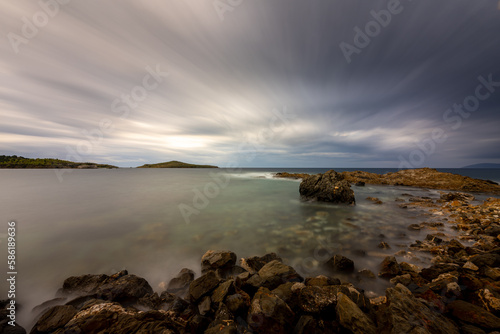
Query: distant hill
175, 164
14, 161
484, 165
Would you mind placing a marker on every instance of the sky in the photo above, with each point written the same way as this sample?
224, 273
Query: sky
252, 83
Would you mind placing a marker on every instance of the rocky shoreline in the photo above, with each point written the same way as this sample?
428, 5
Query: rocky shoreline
458, 293
428, 178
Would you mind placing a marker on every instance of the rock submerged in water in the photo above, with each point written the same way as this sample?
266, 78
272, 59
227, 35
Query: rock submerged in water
328, 187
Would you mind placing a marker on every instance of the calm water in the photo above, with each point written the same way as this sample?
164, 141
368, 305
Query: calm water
102, 221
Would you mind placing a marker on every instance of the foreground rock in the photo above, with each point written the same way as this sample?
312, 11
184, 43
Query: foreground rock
328, 187
270, 297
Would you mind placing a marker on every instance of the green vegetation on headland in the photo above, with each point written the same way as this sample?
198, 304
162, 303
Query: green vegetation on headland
14, 161
175, 164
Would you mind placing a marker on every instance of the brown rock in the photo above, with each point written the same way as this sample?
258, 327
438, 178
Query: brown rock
352, 318
328, 187
473, 314
389, 267
269, 314
203, 285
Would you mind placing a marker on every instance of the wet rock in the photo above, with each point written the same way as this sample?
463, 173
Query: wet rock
454, 246
269, 314
414, 227
389, 267
55, 318
489, 259
434, 239
316, 299
321, 280
328, 187
408, 267
179, 285
492, 273
435, 270
127, 289
340, 263
384, 245
113, 318
6, 328
237, 304
375, 200
406, 314
284, 291
360, 184
204, 305
471, 266
473, 314
121, 287
457, 196
276, 273
217, 260
83, 285
203, 285
403, 279
366, 273
255, 263
307, 325
352, 318
469, 329
171, 302
222, 291
489, 301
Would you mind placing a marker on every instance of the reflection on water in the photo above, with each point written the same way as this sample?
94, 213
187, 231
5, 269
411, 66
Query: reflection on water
102, 221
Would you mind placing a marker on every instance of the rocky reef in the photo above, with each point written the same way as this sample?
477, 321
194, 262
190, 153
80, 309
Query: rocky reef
421, 177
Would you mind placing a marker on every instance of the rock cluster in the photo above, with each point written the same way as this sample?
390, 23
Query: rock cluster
264, 295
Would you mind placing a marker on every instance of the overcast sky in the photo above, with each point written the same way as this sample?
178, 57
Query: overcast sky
256, 83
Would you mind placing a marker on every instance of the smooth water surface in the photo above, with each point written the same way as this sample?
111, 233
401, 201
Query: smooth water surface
153, 222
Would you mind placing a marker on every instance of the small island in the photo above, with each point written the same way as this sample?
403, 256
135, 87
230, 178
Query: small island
175, 164
14, 161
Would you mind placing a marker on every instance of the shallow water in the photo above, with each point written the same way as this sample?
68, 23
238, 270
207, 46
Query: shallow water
102, 221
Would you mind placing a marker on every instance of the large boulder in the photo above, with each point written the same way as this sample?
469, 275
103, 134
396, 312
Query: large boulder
328, 187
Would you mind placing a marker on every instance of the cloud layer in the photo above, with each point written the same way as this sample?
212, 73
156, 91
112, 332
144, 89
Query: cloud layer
269, 85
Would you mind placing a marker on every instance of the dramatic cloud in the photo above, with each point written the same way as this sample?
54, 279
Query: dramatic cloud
258, 83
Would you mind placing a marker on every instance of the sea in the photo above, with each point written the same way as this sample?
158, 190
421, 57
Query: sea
154, 222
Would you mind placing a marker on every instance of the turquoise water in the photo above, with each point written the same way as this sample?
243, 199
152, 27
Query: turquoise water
153, 222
